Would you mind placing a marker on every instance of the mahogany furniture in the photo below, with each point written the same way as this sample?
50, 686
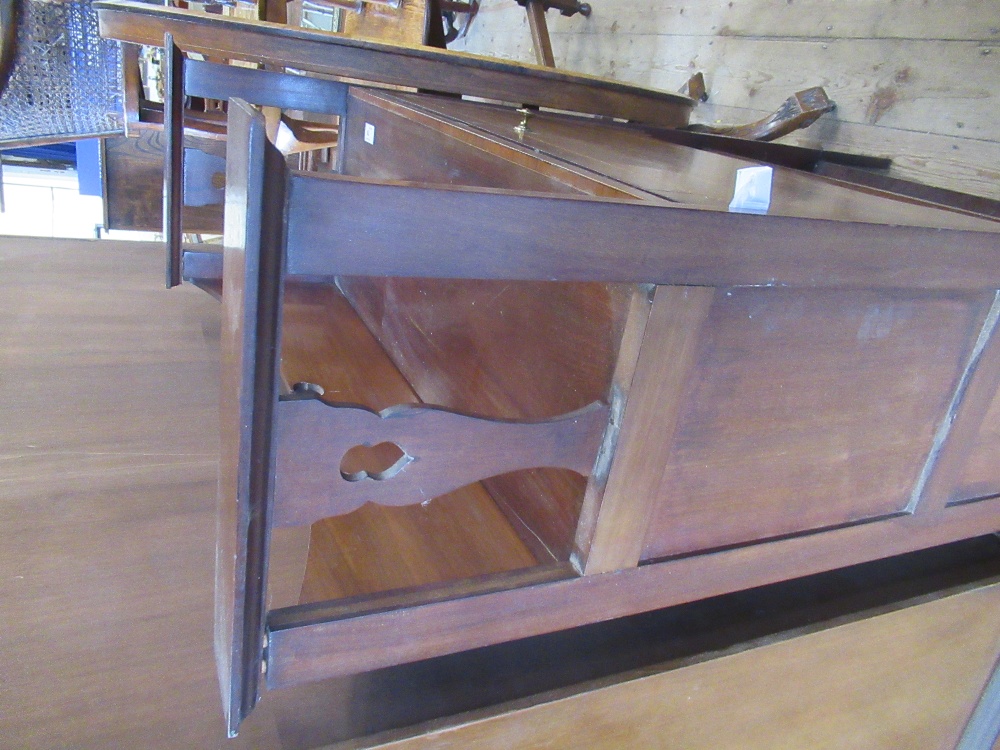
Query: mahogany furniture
704, 401
514, 372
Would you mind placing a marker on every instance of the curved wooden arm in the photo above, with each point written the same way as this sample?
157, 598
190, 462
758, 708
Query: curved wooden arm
10, 12
799, 111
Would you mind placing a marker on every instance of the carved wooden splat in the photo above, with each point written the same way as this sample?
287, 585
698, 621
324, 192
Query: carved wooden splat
437, 451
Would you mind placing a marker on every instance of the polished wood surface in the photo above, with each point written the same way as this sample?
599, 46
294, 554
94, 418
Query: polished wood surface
398, 65
134, 169
499, 234
378, 549
9, 15
815, 409
407, 24
905, 678
666, 363
252, 285
695, 177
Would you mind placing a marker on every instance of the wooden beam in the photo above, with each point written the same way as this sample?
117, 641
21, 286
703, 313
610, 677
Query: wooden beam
351, 226
398, 65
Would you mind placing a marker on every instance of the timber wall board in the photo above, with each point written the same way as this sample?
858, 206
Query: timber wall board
916, 81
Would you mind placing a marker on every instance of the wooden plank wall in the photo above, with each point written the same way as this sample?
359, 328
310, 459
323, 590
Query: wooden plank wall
914, 80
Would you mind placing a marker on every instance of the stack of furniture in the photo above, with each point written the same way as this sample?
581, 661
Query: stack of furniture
512, 371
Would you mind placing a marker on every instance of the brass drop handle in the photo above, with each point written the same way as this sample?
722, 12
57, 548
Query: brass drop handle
522, 127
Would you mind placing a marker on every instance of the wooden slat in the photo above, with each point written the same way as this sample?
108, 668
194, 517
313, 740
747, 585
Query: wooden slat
666, 360
960, 427
367, 60
305, 652
252, 286
347, 226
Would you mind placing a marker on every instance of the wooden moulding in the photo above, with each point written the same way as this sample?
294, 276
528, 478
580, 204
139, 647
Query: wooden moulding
398, 65
351, 226
252, 285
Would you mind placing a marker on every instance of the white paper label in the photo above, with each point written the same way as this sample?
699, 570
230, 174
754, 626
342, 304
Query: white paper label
369, 133
752, 194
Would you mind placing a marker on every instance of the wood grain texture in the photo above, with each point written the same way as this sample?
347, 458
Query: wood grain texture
110, 463
418, 67
666, 362
496, 234
809, 410
407, 24
304, 651
416, 143
376, 549
652, 161
903, 678
134, 167
438, 452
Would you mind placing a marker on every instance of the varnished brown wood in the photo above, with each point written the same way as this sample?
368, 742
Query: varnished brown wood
10, 13
134, 170
807, 407
800, 110
666, 362
407, 24
302, 652
376, 549
251, 297
366, 60
978, 386
438, 452
620, 389
414, 145
815, 689
497, 234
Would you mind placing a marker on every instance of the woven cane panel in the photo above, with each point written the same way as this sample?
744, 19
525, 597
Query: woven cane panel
66, 79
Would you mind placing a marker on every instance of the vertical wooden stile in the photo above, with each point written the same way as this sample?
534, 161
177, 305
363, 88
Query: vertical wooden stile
961, 424
619, 500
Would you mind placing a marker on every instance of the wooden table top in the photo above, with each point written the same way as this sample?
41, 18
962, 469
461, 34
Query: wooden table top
381, 62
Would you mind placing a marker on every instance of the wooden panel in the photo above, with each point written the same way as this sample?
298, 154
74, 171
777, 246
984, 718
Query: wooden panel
651, 162
135, 183
374, 549
366, 60
919, 70
957, 434
666, 362
808, 410
406, 24
412, 145
902, 679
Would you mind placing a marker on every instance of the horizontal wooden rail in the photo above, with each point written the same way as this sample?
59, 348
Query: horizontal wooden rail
302, 649
348, 226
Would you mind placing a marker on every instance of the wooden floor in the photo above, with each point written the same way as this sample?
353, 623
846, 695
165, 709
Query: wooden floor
917, 81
